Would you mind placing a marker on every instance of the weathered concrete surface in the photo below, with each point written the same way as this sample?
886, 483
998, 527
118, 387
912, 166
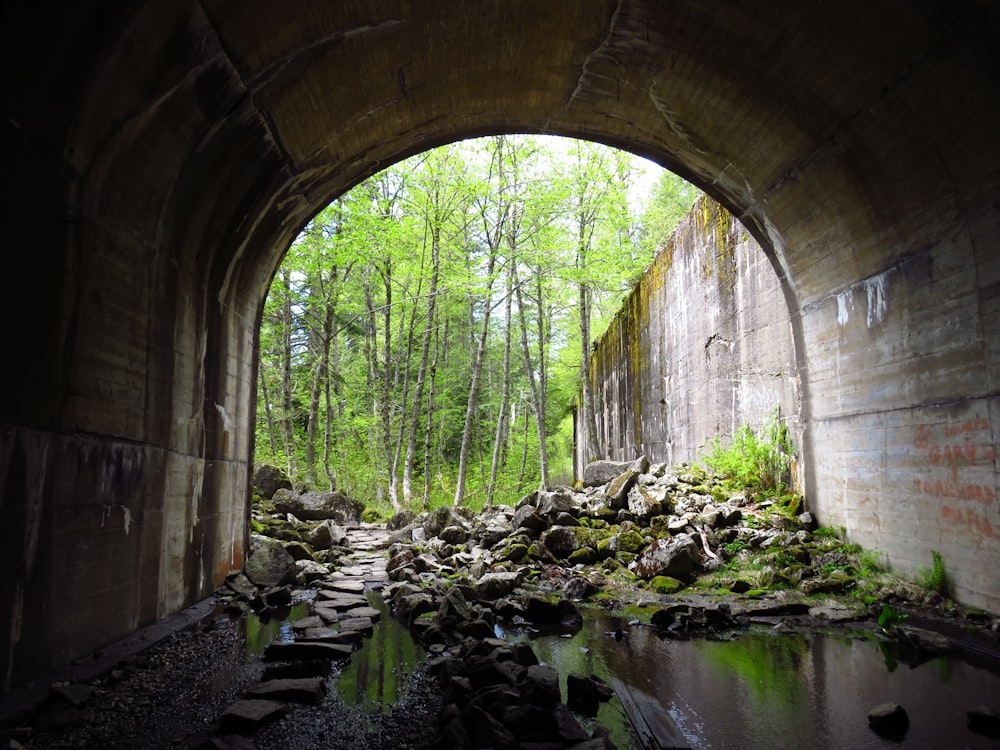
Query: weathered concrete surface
161, 156
701, 346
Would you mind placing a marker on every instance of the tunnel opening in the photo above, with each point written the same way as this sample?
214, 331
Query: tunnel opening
367, 331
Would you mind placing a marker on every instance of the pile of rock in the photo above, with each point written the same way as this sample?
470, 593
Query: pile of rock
664, 525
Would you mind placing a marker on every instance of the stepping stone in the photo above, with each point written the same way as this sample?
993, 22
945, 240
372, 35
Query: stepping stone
344, 586
247, 715
306, 650
326, 635
335, 600
358, 624
353, 572
300, 690
307, 622
297, 669
370, 612
328, 615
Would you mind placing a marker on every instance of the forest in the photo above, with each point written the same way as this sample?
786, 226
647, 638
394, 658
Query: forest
425, 339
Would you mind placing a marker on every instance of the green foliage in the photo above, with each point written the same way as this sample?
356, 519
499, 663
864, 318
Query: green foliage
760, 460
889, 619
344, 324
933, 578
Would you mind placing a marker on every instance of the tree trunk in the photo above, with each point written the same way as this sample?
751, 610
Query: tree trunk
500, 439
536, 393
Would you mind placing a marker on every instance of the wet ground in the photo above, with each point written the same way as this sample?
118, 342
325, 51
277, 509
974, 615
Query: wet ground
765, 687
172, 696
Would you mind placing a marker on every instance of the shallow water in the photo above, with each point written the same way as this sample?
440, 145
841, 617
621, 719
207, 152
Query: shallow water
763, 690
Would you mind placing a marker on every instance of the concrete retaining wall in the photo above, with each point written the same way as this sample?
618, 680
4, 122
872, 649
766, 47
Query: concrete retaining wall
702, 346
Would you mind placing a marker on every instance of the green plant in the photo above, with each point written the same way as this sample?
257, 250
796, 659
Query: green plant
889, 619
760, 460
933, 578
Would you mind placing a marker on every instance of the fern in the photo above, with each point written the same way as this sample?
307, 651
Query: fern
760, 460
933, 579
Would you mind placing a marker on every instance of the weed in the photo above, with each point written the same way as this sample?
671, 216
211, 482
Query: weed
760, 460
933, 579
889, 619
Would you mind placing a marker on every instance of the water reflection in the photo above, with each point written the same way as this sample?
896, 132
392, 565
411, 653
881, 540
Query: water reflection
272, 626
377, 672
765, 690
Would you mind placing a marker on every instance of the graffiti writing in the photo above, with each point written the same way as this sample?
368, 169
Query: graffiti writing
969, 517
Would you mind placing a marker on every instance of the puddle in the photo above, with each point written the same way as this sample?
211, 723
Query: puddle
276, 626
765, 690
377, 673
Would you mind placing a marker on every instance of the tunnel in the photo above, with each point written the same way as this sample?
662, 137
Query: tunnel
161, 156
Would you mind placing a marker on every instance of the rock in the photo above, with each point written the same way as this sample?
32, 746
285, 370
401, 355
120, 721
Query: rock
494, 534
227, 742
297, 690
454, 607
298, 551
320, 506
665, 584
269, 479
598, 473
675, 557
583, 556
584, 694
487, 731
528, 517
286, 651
926, 641
497, 584
619, 487
439, 518
309, 571
240, 584
569, 730
454, 534
401, 519
740, 586
889, 720
326, 535
556, 501
984, 720
562, 540
541, 686
269, 564
646, 501
248, 715
579, 588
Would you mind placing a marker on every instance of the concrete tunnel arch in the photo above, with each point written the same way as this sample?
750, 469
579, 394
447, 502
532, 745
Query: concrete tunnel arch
165, 155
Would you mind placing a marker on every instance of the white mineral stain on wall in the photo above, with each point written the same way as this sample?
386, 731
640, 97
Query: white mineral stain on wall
843, 299
875, 292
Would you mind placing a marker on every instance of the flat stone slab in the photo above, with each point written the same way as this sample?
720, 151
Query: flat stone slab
308, 622
359, 624
326, 635
344, 586
353, 572
334, 600
247, 715
328, 615
299, 690
306, 650
370, 612
837, 613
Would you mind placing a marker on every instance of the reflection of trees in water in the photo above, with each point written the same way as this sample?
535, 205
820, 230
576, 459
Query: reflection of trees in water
376, 675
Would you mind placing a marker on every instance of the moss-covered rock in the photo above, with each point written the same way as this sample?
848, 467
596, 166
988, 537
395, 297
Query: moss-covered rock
584, 555
665, 584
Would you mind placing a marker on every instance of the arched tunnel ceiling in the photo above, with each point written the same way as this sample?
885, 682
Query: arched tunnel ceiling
743, 100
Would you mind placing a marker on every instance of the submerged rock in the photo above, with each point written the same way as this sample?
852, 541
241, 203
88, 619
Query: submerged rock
889, 720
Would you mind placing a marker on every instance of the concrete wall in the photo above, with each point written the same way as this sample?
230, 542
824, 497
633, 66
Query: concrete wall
702, 345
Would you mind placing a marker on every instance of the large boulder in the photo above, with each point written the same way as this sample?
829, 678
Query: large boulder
320, 506
598, 473
269, 564
268, 479
676, 557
